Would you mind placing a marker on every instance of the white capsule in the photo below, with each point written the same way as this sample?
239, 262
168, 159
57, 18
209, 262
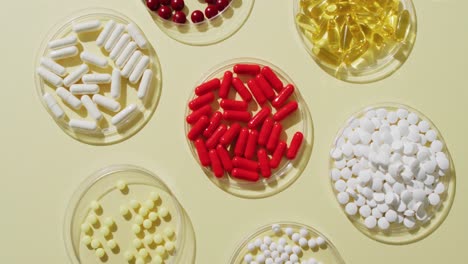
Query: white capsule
106, 102
136, 34
69, 98
63, 53
75, 75
49, 76
118, 48
53, 105
124, 114
145, 84
96, 78
82, 124
105, 33
131, 63
86, 26
53, 66
139, 69
94, 59
63, 42
115, 84
114, 37
93, 111
84, 89
126, 53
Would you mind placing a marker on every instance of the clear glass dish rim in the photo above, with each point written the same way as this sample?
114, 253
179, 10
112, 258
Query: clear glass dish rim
265, 228
61, 25
106, 172
280, 172
358, 223
412, 10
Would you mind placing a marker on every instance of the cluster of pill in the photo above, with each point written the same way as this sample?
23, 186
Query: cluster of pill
388, 168
220, 138
343, 31
174, 8
147, 217
121, 47
285, 247
92, 224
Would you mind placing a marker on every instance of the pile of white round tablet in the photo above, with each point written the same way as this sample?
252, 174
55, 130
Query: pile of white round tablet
122, 48
388, 167
288, 249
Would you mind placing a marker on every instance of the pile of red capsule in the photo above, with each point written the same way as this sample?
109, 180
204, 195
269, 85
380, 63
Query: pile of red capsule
174, 8
233, 140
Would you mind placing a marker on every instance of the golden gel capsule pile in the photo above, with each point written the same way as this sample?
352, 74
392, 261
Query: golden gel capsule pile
342, 31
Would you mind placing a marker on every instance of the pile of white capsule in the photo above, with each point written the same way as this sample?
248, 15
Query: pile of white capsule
81, 88
388, 168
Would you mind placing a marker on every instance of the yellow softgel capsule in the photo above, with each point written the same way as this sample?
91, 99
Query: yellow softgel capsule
163, 212
112, 244
95, 243
137, 243
325, 55
154, 196
153, 216
169, 232
121, 185
158, 239
333, 35
86, 240
160, 250
403, 25
157, 260
169, 246
100, 252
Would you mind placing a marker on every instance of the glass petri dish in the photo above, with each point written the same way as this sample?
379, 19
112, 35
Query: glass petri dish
106, 133
101, 187
289, 170
209, 31
377, 63
327, 253
399, 234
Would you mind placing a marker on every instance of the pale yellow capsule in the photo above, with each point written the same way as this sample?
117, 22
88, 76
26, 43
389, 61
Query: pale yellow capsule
356, 31
333, 35
356, 52
306, 23
403, 25
326, 56
346, 38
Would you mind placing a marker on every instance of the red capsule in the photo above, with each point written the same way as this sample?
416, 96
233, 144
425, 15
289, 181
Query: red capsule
241, 142
251, 69
225, 85
202, 152
274, 137
256, 91
283, 96
214, 139
228, 104
241, 116
251, 145
278, 155
198, 128
214, 124
216, 164
285, 111
241, 89
246, 164
223, 155
258, 119
230, 134
295, 145
197, 114
201, 101
265, 86
245, 175
264, 163
264, 134
272, 78
208, 86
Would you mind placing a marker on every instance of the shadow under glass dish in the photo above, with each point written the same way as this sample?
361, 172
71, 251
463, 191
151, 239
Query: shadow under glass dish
289, 170
379, 61
399, 234
209, 31
106, 133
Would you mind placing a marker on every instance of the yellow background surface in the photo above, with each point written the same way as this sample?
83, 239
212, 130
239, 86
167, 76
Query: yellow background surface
41, 166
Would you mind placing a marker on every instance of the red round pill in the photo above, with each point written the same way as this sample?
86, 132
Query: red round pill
165, 2
165, 12
197, 16
179, 17
210, 2
177, 5
153, 5
211, 11
222, 4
